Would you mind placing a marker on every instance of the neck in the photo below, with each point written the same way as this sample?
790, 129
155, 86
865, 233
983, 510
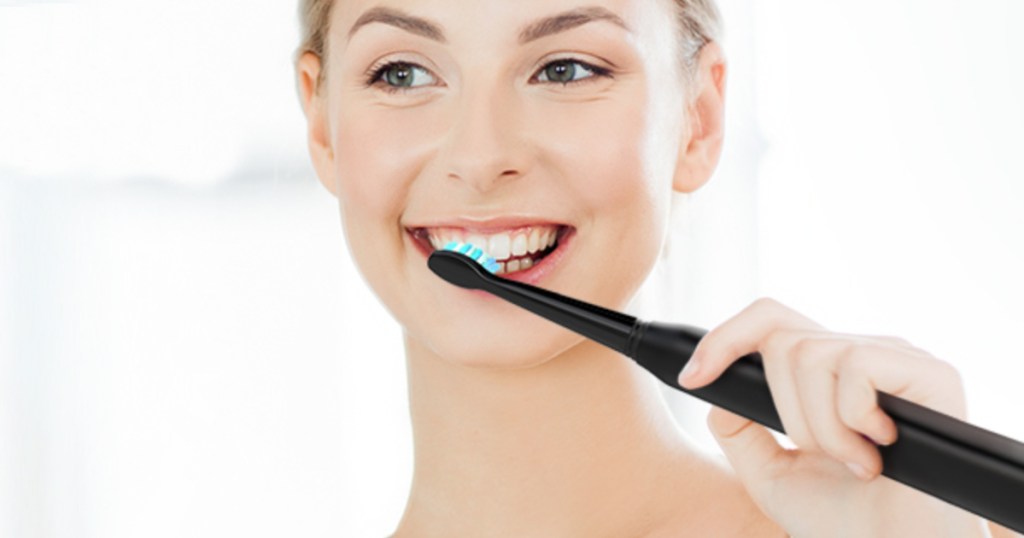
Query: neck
582, 445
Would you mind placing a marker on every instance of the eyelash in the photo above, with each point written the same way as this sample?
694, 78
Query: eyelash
378, 70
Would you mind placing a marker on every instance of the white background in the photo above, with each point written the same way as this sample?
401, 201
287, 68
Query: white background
186, 349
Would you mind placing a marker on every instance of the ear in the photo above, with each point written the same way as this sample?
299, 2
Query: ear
314, 107
700, 151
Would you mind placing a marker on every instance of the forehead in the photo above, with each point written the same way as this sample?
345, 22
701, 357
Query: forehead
512, 22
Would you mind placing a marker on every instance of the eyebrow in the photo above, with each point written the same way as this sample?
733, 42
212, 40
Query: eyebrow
546, 26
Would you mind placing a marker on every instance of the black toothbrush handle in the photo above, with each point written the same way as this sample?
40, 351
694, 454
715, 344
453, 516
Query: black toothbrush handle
967, 466
962, 464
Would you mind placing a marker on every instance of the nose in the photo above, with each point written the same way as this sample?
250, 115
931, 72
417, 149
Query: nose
484, 147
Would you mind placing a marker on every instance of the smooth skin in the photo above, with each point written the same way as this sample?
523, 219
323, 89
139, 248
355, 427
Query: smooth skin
832, 475
521, 428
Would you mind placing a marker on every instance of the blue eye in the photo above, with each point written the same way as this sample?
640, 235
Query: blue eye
401, 76
565, 71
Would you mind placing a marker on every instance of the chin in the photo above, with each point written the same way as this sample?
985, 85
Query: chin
499, 348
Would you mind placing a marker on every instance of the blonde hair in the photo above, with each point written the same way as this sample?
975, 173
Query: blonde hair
699, 23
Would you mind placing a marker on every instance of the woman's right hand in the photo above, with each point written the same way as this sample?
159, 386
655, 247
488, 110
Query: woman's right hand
824, 386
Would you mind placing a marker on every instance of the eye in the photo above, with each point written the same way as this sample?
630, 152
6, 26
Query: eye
399, 76
567, 71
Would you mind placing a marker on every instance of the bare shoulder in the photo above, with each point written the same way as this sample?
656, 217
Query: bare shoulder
717, 505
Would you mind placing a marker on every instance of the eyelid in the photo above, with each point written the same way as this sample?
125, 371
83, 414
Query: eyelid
378, 66
597, 70
374, 74
569, 57
377, 73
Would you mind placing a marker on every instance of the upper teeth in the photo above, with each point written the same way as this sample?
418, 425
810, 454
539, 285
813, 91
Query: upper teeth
502, 245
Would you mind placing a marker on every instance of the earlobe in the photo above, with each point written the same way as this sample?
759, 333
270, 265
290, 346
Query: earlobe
320, 150
702, 145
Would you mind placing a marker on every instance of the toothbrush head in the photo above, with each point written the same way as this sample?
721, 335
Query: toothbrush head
462, 264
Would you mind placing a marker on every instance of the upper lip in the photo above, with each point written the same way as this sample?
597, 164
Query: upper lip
489, 225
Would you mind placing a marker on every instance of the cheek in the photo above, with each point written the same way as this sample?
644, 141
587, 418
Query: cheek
378, 150
602, 145
605, 153
375, 164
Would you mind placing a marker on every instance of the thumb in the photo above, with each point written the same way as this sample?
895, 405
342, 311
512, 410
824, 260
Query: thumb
750, 448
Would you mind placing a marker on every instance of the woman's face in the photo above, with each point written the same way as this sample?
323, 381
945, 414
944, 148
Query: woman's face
478, 121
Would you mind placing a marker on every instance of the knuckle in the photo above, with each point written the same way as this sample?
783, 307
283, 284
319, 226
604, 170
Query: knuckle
765, 306
804, 348
849, 360
775, 341
850, 356
846, 365
804, 362
810, 351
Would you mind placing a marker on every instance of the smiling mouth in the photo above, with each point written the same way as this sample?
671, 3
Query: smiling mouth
515, 250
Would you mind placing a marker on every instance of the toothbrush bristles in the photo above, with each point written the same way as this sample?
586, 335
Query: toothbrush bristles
474, 252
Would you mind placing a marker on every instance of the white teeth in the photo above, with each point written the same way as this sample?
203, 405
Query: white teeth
512, 266
519, 245
525, 264
499, 246
545, 239
440, 239
477, 240
534, 241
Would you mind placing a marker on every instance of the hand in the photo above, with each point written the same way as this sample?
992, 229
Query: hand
823, 385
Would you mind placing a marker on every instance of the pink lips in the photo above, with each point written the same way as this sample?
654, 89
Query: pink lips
486, 226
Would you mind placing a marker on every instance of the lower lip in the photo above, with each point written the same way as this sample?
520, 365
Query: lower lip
536, 273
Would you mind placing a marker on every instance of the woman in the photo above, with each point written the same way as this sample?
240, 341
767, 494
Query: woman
554, 132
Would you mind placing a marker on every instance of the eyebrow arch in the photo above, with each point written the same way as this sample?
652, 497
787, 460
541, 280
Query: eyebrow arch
546, 26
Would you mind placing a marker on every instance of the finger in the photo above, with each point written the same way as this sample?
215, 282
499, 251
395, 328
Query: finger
916, 377
739, 336
815, 373
778, 368
751, 450
857, 405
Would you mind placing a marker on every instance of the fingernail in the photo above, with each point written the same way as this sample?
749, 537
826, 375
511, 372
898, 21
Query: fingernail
861, 472
690, 370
